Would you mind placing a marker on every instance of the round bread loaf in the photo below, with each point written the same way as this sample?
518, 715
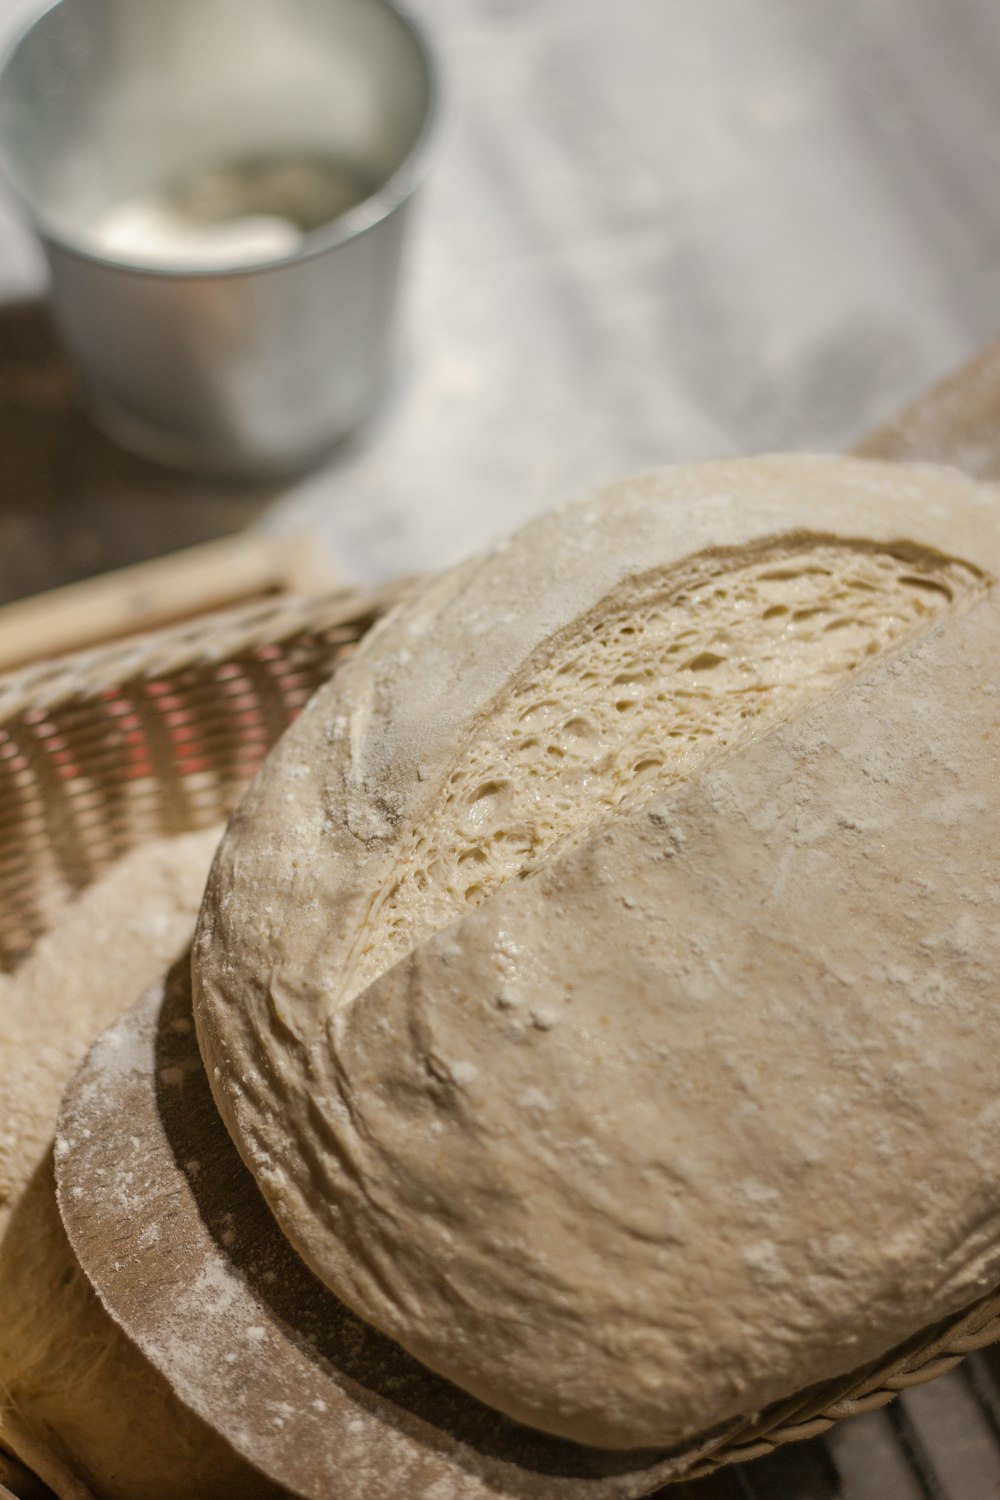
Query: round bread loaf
599, 977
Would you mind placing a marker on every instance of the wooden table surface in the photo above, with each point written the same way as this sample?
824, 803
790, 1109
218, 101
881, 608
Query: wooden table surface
657, 230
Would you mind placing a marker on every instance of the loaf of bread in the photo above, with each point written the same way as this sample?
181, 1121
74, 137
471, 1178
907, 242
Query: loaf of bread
599, 979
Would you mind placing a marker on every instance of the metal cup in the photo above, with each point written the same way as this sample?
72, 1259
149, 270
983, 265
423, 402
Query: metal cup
234, 368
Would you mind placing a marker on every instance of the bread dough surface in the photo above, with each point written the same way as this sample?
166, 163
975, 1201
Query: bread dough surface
604, 1138
107, 947
81, 1405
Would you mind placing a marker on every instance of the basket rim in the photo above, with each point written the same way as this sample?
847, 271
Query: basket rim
204, 640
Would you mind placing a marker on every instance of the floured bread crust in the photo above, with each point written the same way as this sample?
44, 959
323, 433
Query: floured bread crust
606, 1134
78, 1401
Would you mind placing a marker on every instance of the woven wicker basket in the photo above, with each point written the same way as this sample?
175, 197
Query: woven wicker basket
153, 735
158, 735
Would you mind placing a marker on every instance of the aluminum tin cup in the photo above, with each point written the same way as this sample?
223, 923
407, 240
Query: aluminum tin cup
244, 369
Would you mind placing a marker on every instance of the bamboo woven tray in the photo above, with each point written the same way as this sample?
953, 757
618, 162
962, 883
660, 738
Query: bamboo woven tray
104, 750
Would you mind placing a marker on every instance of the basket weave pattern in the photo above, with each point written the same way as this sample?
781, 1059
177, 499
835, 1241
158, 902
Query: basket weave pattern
158, 736
155, 736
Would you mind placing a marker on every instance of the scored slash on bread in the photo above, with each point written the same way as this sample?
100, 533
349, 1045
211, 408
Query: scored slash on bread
672, 668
